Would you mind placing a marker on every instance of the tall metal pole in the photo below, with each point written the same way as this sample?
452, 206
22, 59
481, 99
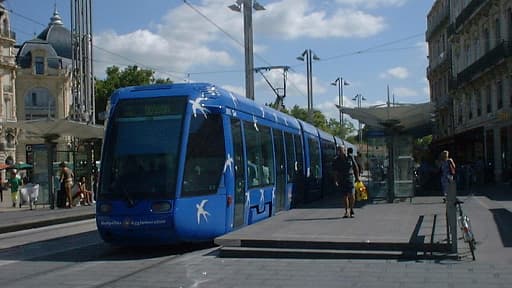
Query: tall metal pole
309, 56
310, 85
249, 60
341, 100
359, 98
83, 79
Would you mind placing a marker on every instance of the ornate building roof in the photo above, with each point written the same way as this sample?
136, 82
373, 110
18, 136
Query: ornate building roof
58, 36
55, 39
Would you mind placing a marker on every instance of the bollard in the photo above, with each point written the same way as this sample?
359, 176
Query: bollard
451, 215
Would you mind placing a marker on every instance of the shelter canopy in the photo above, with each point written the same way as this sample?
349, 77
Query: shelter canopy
52, 128
408, 118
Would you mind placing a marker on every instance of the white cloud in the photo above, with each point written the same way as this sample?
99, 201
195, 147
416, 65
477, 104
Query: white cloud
372, 3
184, 40
396, 72
292, 19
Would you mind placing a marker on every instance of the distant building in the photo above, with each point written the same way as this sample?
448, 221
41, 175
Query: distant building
470, 57
44, 77
7, 85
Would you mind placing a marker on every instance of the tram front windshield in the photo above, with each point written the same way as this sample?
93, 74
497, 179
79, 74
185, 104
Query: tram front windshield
141, 150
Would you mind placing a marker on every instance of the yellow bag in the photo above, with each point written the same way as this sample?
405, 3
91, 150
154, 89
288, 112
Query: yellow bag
361, 191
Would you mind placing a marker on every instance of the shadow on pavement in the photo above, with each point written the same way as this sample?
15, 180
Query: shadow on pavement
87, 246
503, 218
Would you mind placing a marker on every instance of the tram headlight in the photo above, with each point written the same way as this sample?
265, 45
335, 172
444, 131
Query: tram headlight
105, 208
159, 207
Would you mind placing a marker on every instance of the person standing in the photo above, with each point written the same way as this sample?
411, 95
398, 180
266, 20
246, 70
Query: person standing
15, 183
66, 177
447, 172
346, 173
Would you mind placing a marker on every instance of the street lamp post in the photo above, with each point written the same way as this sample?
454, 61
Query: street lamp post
340, 83
359, 98
248, 5
309, 56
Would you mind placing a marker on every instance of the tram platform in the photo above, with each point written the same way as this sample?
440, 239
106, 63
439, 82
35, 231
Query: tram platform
411, 229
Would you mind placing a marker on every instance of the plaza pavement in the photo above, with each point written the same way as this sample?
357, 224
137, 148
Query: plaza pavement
413, 229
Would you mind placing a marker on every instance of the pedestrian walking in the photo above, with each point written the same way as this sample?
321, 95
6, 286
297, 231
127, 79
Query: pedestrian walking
15, 184
448, 169
346, 173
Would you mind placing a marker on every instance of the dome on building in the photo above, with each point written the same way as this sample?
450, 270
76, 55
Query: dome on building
57, 36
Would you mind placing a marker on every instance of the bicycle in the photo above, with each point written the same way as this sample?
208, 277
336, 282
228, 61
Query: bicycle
465, 227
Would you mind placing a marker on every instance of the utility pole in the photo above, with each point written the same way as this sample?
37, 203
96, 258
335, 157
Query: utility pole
247, 6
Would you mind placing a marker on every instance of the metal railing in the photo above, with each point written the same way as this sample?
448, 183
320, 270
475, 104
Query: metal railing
490, 59
438, 21
466, 13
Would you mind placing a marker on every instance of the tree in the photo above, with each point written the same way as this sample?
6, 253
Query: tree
117, 78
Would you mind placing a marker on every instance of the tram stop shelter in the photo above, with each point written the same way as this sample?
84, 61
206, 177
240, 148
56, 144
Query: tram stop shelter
44, 156
390, 131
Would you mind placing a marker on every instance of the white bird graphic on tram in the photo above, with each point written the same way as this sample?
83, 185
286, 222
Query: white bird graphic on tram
202, 212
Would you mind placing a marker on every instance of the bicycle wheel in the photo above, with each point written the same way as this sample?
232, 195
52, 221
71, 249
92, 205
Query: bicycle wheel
472, 248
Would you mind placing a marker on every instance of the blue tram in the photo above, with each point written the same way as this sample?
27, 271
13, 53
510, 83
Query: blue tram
189, 162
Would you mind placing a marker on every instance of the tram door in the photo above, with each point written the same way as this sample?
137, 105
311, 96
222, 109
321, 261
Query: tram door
238, 159
280, 170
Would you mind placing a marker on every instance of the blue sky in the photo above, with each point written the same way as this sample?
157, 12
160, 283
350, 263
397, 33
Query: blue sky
370, 43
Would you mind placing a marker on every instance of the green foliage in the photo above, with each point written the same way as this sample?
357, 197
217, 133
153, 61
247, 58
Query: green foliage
117, 78
424, 141
331, 126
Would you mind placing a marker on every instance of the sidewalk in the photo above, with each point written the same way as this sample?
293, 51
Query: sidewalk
406, 230
16, 219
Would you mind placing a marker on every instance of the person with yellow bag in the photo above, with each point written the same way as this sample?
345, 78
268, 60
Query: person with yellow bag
346, 173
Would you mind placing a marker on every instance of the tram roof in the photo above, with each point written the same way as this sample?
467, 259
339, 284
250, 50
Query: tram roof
215, 97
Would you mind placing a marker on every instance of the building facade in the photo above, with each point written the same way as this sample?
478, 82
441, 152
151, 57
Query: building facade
7, 86
44, 77
470, 58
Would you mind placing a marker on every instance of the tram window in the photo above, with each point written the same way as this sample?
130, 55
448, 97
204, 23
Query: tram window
253, 148
204, 162
314, 160
141, 149
290, 156
260, 155
298, 154
267, 166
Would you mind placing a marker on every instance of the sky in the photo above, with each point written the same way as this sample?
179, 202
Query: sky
371, 44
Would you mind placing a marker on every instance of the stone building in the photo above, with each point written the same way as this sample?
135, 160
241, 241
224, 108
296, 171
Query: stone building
44, 77
470, 57
7, 85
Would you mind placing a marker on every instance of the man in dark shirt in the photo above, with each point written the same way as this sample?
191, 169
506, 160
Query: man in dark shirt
346, 173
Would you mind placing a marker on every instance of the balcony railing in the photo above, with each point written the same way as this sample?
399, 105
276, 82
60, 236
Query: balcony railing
438, 22
490, 59
466, 13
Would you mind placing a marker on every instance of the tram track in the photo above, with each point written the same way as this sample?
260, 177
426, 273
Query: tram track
70, 257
